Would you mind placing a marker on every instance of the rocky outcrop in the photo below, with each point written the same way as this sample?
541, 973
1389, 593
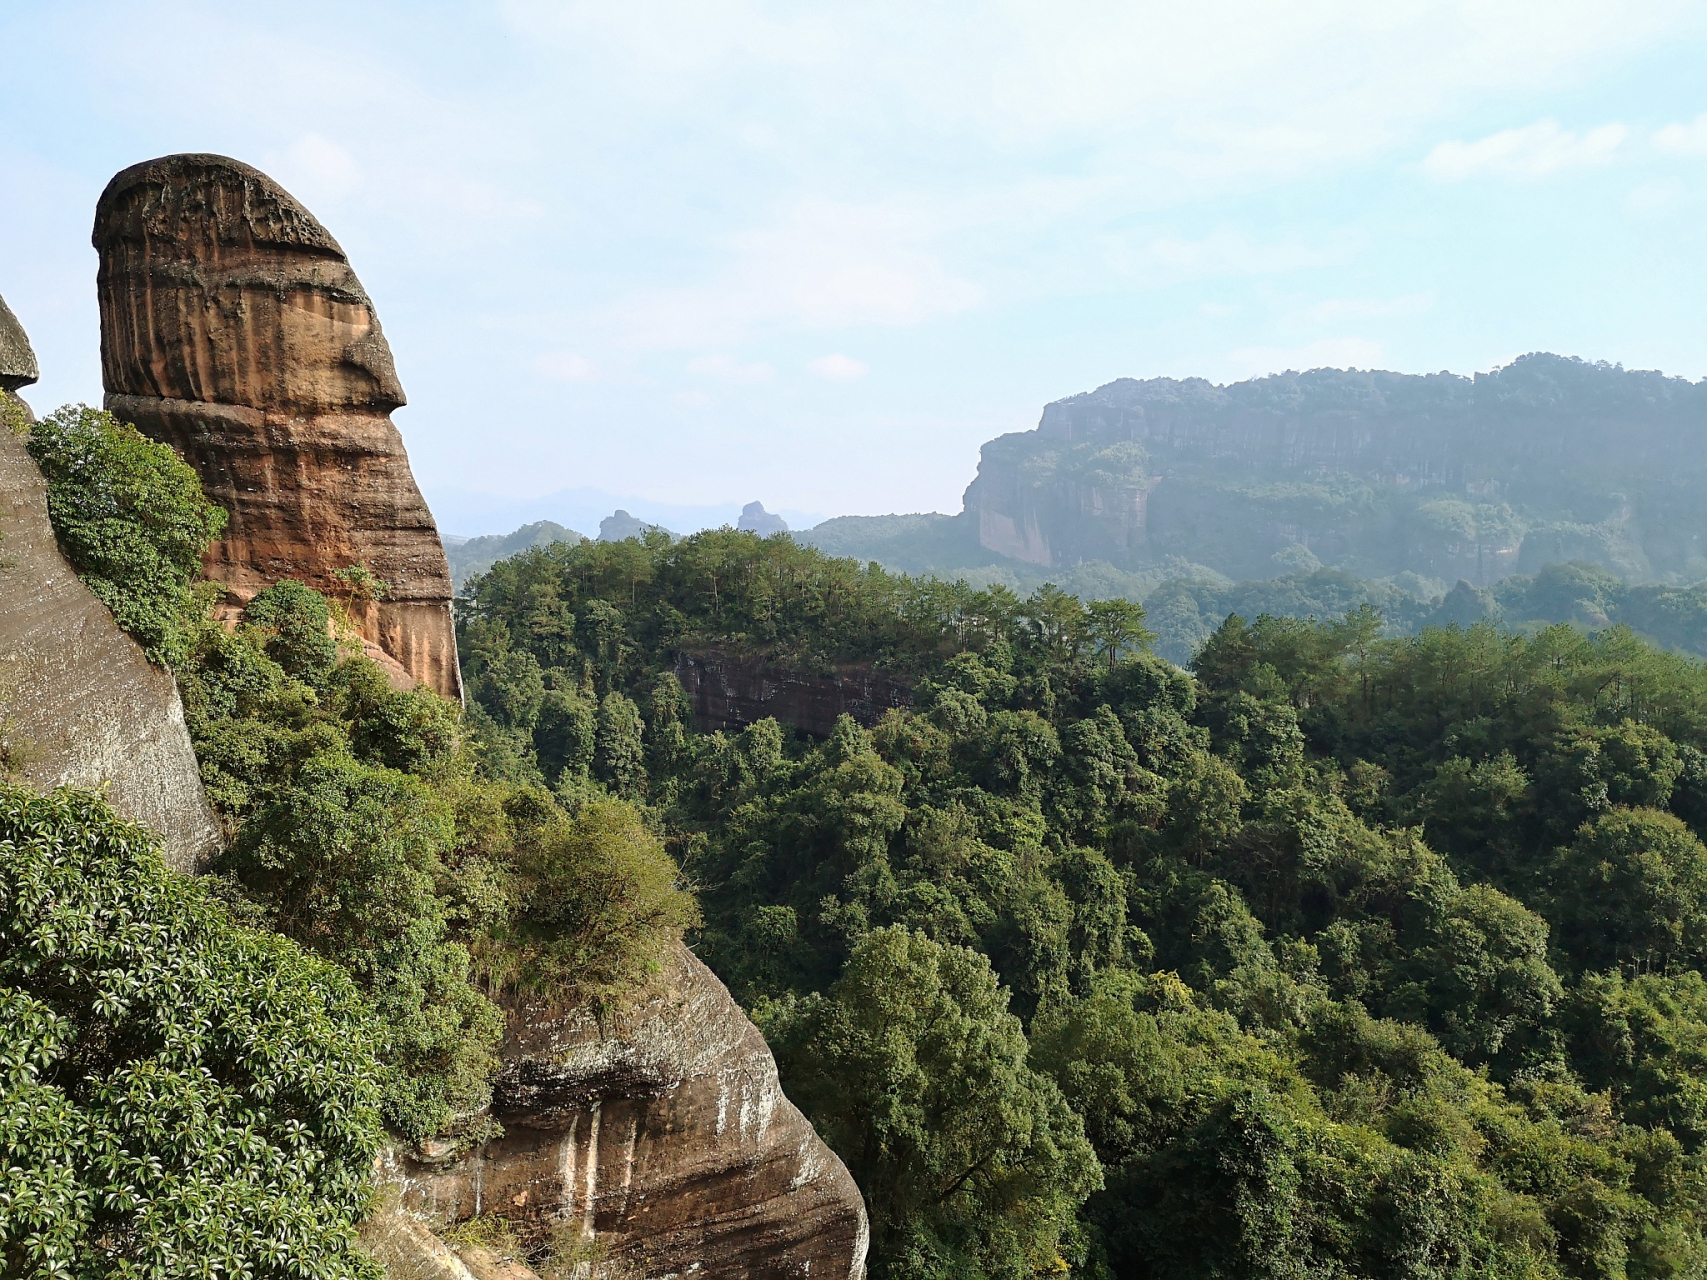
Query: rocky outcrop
233, 329
1374, 472
17, 359
730, 691
661, 1138
755, 519
79, 704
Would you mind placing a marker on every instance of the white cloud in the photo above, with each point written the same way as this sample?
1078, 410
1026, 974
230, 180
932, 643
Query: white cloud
566, 366
1326, 312
839, 368
692, 399
1530, 152
1336, 353
1218, 309
820, 264
1227, 253
1684, 139
728, 369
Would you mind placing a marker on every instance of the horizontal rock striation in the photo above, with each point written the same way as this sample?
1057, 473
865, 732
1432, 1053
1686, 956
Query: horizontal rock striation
233, 329
731, 691
663, 1136
79, 704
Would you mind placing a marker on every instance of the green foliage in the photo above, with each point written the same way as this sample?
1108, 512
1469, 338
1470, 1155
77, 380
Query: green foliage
1352, 954
131, 518
347, 860
297, 623
595, 901
178, 1094
972, 1163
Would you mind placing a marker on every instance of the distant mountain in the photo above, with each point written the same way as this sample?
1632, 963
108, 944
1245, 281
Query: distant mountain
469, 556
1549, 459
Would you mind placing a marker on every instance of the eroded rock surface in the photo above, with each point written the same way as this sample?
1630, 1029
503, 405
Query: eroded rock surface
664, 1137
731, 691
233, 329
79, 704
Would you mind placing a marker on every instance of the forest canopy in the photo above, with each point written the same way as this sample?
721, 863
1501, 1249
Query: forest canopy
1339, 953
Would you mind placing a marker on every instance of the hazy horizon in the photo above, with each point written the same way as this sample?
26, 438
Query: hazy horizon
698, 255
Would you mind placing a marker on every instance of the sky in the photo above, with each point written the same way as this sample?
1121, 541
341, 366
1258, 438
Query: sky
679, 256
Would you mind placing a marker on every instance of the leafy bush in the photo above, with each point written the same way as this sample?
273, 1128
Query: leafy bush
595, 900
177, 1093
131, 518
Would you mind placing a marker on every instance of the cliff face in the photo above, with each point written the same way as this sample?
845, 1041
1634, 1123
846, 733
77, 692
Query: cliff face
663, 1136
731, 691
79, 704
1371, 471
233, 329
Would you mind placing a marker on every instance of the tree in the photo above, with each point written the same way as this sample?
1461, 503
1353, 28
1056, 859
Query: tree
347, 860
915, 1073
296, 621
177, 1094
1631, 893
130, 516
595, 902
1115, 629
619, 754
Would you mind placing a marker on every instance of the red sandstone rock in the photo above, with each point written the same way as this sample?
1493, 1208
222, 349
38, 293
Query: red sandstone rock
664, 1135
233, 329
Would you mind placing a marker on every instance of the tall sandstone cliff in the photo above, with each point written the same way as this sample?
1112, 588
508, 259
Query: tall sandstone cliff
79, 704
233, 329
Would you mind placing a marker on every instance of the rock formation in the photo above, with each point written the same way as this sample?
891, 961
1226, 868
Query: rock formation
17, 360
619, 525
661, 1136
1545, 459
731, 691
233, 329
755, 519
79, 704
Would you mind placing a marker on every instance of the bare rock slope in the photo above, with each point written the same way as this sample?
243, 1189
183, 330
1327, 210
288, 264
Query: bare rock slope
233, 329
662, 1136
79, 704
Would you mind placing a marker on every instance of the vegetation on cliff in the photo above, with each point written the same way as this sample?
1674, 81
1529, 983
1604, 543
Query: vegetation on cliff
1342, 953
179, 1094
411, 887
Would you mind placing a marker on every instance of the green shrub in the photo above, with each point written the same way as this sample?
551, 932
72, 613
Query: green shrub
178, 1095
596, 901
297, 623
131, 518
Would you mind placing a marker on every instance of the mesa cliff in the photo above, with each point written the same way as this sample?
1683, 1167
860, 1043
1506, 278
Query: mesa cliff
1378, 473
233, 329
80, 705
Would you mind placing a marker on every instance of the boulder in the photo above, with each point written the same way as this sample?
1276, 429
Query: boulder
661, 1136
233, 329
79, 704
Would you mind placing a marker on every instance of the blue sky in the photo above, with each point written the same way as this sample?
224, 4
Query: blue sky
692, 254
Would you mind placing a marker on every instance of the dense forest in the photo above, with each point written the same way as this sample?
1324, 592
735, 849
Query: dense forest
1335, 955
1332, 953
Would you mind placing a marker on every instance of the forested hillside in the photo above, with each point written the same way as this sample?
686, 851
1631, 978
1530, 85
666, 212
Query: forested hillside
1335, 955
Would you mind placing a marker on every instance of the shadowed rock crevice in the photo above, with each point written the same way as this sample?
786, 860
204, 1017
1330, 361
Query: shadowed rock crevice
233, 329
